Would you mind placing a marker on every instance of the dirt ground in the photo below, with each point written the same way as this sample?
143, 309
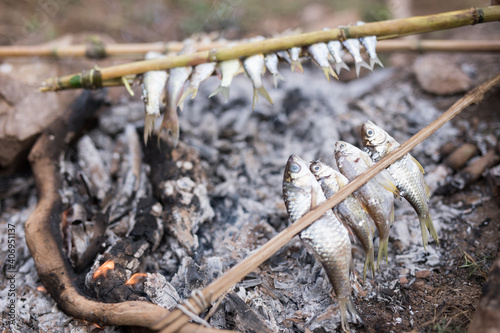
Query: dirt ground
441, 298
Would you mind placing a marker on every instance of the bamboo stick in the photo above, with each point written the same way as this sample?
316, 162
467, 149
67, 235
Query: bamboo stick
138, 50
176, 319
392, 28
438, 45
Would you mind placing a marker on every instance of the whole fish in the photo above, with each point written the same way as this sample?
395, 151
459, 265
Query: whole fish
254, 67
378, 202
349, 211
271, 60
335, 48
319, 53
326, 238
153, 94
407, 173
295, 60
353, 46
370, 44
200, 73
228, 69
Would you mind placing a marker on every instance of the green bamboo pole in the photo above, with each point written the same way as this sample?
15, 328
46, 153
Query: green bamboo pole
393, 28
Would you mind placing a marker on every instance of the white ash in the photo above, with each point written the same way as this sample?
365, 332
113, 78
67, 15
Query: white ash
244, 153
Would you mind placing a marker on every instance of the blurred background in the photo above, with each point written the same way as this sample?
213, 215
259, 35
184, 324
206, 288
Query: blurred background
25, 22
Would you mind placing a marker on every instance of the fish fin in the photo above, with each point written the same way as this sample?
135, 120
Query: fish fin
387, 182
382, 251
418, 164
366, 158
375, 61
340, 65
297, 66
276, 78
255, 98
170, 123
184, 95
264, 93
224, 91
361, 64
348, 309
426, 223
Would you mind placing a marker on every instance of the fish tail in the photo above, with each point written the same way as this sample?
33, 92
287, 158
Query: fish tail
264, 93
224, 91
340, 65
297, 66
170, 123
186, 93
360, 64
374, 61
277, 77
194, 91
369, 263
426, 223
329, 71
149, 124
348, 309
382, 251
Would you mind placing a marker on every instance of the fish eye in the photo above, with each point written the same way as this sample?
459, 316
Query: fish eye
370, 132
316, 167
295, 167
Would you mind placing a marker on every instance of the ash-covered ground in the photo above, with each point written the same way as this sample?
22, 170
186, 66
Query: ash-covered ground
241, 154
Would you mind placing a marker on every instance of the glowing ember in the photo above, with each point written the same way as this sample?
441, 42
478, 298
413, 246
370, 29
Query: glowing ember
103, 270
42, 289
136, 278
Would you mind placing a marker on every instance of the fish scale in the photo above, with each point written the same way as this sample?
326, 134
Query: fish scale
326, 238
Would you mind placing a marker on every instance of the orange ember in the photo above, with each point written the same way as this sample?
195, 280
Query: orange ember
103, 270
136, 278
42, 289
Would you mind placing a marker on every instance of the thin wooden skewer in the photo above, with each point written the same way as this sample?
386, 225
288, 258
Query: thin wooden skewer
176, 319
401, 27
140, 49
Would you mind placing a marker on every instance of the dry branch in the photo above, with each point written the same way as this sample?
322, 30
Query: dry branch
176, 319
392, 28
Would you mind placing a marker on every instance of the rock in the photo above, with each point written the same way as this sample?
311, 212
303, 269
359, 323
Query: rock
403, 280
437, 75
423, 274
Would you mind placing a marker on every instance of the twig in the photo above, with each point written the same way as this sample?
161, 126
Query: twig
176, 319
390, 28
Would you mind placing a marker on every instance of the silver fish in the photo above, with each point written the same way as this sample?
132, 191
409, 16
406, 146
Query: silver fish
175, 85
335, 48
295, 60
407, 173
153, 94
349, 211
379, 203
353, 46
370, 44
200, 73
254, 67
228, 69
319, 53
271, 61
326, 238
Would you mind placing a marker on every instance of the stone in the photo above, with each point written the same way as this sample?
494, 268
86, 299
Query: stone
422, 274
437, 75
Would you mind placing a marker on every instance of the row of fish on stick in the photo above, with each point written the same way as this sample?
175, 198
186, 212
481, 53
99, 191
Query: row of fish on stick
156, 96
368, 208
